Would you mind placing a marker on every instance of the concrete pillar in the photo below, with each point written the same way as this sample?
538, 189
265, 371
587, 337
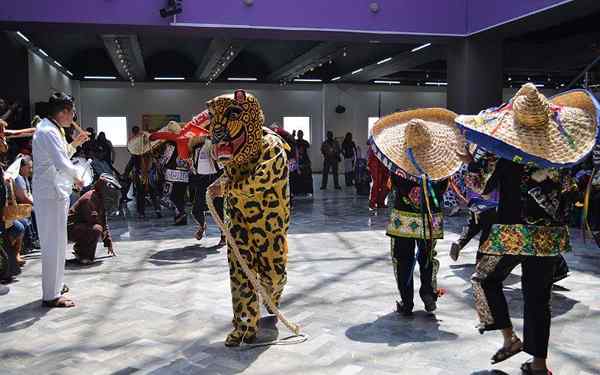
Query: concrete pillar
474, 73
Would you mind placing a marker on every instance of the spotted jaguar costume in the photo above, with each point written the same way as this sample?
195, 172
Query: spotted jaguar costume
257, 211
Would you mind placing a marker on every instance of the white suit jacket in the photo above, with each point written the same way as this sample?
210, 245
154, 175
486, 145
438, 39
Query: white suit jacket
53, 172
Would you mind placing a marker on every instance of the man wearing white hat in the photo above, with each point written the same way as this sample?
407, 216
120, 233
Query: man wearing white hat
53, 179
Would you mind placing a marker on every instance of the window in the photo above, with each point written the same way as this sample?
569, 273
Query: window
115, 129
297, 123
372, 121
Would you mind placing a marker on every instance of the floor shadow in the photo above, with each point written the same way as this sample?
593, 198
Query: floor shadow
215, 358
489, 372
73, 264
188, 254
466, 270
22, 317
394, 330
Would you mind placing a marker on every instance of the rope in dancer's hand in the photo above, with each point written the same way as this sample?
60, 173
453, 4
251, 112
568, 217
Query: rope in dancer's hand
249, 274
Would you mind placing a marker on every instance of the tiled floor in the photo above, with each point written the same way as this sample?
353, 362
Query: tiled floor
163, 307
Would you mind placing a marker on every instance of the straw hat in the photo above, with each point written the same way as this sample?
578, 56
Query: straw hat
141, 143
556, 133
417, 142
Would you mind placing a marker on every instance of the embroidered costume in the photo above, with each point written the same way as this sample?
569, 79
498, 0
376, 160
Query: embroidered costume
535, 200
412, 144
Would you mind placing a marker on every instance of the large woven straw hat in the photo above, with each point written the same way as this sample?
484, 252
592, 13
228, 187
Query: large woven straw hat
141, 143
557, 133
419, 142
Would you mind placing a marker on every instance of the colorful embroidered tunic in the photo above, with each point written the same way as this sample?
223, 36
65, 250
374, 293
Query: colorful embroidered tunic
533, 209
409, 215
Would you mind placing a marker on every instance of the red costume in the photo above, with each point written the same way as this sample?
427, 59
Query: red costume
380, 175
193, 128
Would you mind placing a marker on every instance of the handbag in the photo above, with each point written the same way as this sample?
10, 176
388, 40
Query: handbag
13, 210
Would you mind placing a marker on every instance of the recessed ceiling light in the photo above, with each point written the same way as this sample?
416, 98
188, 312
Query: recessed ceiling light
436, 83
42, 52
99, 77
242, 79
336, 78
357, 71
307, 80
384, 61
384, 82
420, 47
23, 36
169, 78
69, 73
57, 63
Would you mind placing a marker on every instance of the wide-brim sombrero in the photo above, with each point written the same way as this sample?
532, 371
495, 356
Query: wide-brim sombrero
419, 142
552, 133
141, 144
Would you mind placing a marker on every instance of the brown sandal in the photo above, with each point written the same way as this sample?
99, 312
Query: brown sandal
516, 346
61, 302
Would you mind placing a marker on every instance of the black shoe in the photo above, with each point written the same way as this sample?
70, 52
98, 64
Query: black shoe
323, 188
430, 304
338, 188
403, 310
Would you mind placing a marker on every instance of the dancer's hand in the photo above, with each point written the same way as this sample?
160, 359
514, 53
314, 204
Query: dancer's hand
78, 183
80, 139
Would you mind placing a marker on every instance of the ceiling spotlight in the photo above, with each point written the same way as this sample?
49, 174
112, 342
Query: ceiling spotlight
374, 7
331, 61
345, 54
173, 7
248, 2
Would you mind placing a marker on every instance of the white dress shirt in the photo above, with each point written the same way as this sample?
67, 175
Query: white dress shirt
53, 172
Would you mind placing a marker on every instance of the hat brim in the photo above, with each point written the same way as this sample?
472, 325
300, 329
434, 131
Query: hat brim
567, 141
141, 144
437, 161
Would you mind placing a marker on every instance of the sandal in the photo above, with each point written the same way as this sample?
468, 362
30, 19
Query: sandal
526, 369
200, 232
516, 346
62, 302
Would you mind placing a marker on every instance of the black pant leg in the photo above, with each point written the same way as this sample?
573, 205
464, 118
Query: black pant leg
537, 288
334, 170
490, 303
140, 195
428, 267
403, 258
325, 173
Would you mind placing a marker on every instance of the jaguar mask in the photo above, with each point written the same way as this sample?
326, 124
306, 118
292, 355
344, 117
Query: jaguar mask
236, 123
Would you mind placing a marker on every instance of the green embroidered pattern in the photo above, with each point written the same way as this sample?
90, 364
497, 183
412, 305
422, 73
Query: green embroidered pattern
532, 240
410, 225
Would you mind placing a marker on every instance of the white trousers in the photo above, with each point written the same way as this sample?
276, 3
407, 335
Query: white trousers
51, 215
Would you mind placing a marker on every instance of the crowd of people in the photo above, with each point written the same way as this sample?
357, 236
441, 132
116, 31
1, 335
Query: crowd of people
516, 169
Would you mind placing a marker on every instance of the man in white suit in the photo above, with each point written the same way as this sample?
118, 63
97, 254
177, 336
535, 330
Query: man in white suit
53, 179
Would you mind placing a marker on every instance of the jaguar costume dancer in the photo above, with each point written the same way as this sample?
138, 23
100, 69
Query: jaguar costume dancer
257, 205
532, 141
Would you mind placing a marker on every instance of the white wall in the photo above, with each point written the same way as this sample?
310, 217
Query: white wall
45, 79
362, 102
316, 101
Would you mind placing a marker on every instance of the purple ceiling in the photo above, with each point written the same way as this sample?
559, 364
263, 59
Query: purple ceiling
455, 17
